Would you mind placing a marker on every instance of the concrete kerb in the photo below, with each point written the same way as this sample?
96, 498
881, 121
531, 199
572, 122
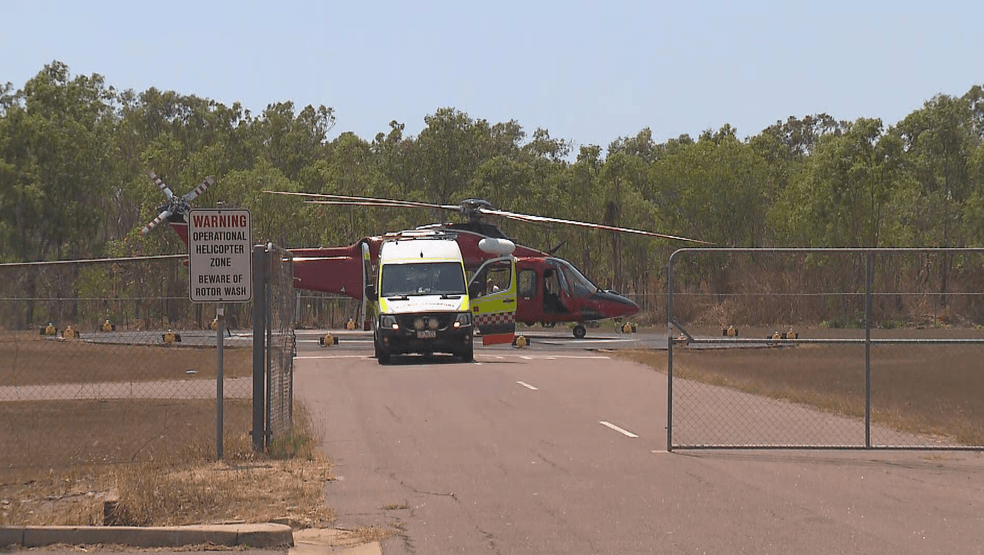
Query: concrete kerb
252, 535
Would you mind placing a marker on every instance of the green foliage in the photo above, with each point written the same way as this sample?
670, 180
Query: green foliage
74, 154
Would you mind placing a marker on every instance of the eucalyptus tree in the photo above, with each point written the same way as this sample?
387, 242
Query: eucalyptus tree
449, 153
350, 169
940, 141
622, 179
843, 195
785, 146
583, 196
712, 190
57, 166
291, 142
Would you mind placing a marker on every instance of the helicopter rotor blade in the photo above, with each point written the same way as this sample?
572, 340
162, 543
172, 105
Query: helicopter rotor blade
153, 223
160, 183
371, 201
544, 219
392, 204
202, 187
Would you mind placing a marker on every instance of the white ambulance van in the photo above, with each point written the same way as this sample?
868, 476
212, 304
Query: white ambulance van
419, 299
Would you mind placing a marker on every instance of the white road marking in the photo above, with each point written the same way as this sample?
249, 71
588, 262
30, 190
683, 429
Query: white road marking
616, 428
526, 385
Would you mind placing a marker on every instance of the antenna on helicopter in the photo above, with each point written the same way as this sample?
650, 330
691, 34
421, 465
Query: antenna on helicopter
176, 206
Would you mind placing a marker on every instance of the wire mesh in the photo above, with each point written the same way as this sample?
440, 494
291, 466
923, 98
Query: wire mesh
281, 341
834, 348
108, 361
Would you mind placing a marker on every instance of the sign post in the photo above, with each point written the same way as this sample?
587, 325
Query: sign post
219, 271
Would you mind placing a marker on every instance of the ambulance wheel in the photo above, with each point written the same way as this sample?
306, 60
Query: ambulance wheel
382, 356
580, 331
467, 353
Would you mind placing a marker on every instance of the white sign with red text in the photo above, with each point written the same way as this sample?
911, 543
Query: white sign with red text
219, 255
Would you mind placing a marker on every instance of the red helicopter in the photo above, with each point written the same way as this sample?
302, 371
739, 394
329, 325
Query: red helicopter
550, 290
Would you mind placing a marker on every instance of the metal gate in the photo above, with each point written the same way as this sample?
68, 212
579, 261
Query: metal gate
825, 348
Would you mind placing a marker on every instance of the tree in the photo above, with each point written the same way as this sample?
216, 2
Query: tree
448, 154
712, 190
842, 196
56, 149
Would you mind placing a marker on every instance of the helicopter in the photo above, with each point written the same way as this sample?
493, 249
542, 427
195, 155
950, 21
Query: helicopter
550, 290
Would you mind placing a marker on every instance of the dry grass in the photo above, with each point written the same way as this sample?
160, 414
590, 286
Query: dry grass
28, 359
43, 436
181, 486
154, 459
926, 389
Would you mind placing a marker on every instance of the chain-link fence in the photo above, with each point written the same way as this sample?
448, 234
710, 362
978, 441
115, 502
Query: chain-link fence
108, 361
274, 318
326, 310
826, 348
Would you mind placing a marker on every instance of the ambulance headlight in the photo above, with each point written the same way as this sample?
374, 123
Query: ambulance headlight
388, 321
463, 319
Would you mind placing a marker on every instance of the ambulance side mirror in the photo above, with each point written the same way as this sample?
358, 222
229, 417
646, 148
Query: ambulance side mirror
371, 291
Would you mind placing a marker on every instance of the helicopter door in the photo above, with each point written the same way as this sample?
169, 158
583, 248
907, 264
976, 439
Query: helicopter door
366, 280
556, 294
492, 293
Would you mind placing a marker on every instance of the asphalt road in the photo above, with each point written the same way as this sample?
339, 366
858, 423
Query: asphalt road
559, 448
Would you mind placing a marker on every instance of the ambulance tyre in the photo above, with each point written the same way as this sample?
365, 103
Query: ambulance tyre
467, 353
580, 331
382, 356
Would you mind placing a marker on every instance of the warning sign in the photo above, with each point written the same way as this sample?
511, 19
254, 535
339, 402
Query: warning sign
219, 245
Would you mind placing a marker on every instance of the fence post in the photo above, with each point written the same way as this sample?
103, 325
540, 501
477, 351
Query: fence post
669, 354
219, 386
268, 333
869, 261
259, 336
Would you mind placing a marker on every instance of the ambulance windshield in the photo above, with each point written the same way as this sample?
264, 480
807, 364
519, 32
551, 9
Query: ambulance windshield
422, 278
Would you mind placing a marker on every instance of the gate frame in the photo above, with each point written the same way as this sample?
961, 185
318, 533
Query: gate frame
869, 253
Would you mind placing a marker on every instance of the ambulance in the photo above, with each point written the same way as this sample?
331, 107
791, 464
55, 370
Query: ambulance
419, 301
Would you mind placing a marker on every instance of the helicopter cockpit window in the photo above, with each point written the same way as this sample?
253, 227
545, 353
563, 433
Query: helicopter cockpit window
426, 278
580, 286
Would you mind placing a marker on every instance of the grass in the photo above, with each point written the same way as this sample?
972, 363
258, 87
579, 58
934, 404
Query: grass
29, 359
174, 478
925, 389
152, 460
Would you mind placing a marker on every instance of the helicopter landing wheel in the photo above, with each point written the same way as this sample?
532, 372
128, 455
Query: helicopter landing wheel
580, 331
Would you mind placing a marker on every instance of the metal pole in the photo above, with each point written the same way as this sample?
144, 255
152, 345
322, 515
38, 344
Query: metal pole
219, 394
268, 277
669, 355
869, 259
259, 321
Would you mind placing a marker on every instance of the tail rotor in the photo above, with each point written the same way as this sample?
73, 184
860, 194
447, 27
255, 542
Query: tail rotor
176, 205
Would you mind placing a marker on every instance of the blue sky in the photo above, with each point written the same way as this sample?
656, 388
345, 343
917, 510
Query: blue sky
588, 72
